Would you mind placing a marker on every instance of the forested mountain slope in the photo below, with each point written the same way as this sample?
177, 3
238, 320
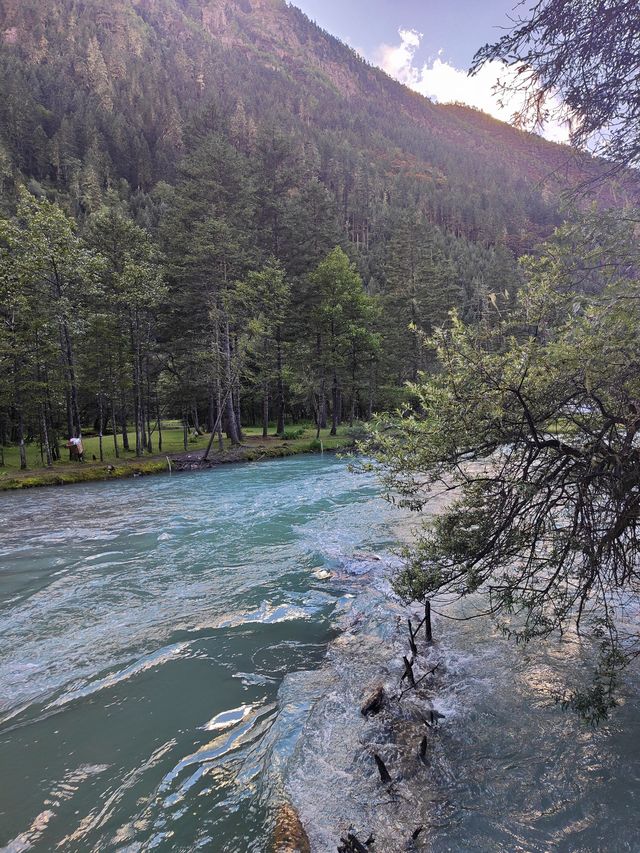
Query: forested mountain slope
97, 91
207, 156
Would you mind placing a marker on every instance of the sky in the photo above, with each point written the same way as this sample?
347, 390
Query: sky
428, 45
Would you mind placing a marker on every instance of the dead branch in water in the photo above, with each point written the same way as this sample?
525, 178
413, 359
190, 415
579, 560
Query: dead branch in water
385, 776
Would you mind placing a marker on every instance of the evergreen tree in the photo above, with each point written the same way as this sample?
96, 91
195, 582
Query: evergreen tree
340, 320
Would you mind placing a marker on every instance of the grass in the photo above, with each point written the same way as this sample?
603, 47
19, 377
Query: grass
66, 472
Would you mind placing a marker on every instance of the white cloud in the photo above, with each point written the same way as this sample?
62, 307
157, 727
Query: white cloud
397, 60
443, 82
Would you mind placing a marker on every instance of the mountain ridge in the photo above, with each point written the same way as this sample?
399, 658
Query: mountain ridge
116, 93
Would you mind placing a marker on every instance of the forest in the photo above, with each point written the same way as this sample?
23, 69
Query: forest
204, 224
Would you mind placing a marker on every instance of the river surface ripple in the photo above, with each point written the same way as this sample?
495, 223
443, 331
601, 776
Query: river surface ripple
165, 682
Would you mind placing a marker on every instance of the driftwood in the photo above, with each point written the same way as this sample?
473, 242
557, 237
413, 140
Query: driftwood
423, 749
408, 671
434, 716
412, 640
417, 681
385, 776
426, 621
373, 702
352, 844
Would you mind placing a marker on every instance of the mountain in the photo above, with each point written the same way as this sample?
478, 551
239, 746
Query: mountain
96, 93
214, 211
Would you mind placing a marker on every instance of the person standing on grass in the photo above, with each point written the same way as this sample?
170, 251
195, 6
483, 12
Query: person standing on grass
76, 449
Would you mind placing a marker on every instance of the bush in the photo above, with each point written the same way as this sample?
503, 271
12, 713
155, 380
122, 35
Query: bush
292, 434
315, 445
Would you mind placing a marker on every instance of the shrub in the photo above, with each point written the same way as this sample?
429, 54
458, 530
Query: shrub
292, 434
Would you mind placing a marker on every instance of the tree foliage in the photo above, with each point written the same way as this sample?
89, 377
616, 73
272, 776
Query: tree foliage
532, 427
584, 54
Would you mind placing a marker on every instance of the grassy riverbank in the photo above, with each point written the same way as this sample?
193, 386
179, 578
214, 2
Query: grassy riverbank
254, 447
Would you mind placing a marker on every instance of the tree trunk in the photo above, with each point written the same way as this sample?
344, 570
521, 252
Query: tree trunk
70, 431
238, 411
18, 407
138, 387
322, 405
159, 423
335, 402
46, 445
137, 383
140, 442
354, 394
416, 345
219, 413
114, 424
218, 425
211, 410
265, 410
235, 359
123, 423
316, 414
100, 425
149, 433
53, 438
372, 385
280, 384
73, 413
232, 425
137, 414
23, 451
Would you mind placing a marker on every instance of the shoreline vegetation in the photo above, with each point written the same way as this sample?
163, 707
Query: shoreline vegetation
254, 447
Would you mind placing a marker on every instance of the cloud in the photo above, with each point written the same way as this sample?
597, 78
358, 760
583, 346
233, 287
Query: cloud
397, 60
443, 82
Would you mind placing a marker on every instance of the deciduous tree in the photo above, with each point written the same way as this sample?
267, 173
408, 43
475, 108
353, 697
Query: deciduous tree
532, 425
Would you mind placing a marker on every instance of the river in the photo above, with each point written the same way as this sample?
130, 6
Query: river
172, 668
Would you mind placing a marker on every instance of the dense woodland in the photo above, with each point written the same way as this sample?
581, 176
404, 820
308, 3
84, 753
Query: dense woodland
216, 212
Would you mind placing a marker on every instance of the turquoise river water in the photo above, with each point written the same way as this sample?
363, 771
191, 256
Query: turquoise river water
173, 668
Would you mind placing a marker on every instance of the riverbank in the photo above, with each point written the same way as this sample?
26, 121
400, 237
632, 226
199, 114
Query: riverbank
253, 449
